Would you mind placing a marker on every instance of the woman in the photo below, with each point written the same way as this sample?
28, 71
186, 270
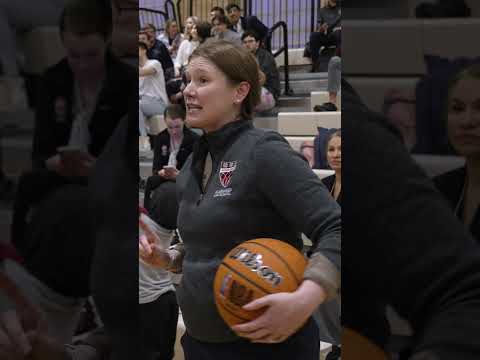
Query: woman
334, 159
199, 33
171, 37
461, 187
260, 198
153, 97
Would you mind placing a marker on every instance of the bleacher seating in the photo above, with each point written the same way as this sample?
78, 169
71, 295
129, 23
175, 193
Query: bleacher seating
401, 44
41, 48
321, 97
306, 123
296, 141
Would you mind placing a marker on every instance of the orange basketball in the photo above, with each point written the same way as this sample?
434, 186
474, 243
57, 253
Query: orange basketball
252, 270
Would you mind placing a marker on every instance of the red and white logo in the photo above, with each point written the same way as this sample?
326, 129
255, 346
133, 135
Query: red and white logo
226, 171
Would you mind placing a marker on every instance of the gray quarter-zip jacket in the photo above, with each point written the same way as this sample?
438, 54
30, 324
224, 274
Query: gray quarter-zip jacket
259, 187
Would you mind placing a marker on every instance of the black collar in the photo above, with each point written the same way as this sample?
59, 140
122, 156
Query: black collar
217, 141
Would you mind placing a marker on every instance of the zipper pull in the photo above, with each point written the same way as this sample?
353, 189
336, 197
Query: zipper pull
200, 199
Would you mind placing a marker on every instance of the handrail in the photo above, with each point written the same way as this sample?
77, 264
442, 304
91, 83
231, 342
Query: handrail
283, 49
179, 14
164, 14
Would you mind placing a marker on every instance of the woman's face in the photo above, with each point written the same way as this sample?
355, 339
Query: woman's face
334, 153
194, 33
173, 29
189, 25
464, 117
211, 100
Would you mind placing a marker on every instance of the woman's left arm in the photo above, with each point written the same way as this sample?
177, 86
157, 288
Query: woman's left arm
301, 198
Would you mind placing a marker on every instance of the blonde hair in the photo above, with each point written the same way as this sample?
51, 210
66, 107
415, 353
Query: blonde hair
238, 65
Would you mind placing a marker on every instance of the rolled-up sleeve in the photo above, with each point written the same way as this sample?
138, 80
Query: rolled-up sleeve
285, 178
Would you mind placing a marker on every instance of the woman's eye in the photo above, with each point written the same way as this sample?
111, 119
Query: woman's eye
457, 107
203, 80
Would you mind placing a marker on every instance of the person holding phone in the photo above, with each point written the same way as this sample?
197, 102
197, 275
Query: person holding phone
170, 151
81, 102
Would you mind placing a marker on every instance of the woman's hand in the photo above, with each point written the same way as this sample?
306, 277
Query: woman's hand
286, 313
14, 343
149, 252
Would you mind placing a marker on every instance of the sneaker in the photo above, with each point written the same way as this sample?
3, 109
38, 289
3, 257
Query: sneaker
328, 106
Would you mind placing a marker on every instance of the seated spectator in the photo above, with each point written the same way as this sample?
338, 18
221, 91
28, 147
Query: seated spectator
152, 92
199, 34
215, 11
334, 85
171, 149
157, 50
461, 187
399, 109
334, 159
187, 29
171, 37
186, 49
240, 24
268, 66
222, 32
82, 101
328, 31
22, 16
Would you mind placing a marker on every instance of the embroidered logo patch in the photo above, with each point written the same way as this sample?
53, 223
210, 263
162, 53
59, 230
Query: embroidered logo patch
164, 150
226, 172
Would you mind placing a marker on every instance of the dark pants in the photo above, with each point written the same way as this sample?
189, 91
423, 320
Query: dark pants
317, 40
158, 327
304, 345
152, 183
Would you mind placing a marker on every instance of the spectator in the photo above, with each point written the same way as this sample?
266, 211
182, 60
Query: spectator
222, 32
334, 85
21, 16
200, 33
461, 187
328, 32
186, 48
158, 51
189, 22
268, 66
81, 104
152, 92
156, 294
334, 159
171, 37
240, 24
171, 149
215, 11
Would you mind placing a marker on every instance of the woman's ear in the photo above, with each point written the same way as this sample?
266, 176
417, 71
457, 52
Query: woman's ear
241, 92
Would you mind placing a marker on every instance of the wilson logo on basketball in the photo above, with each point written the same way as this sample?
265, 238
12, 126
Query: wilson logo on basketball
226, 171
255, 263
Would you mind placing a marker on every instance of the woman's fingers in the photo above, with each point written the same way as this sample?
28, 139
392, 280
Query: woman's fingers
150, 235
144, 247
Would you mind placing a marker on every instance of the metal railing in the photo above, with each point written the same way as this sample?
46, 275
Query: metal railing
150, 16
283, 49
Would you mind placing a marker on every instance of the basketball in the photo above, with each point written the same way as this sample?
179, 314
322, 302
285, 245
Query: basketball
252, 270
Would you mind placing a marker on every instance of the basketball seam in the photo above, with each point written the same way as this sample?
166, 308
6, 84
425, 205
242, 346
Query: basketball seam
245, 278
280, 258
232, 313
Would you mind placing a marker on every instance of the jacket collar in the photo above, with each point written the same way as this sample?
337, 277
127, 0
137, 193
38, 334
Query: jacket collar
218, 140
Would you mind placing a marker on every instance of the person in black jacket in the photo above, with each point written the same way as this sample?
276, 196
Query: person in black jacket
461, 187
402, 245
240, 24
82, 101
171, 149
327, 32
157, 50
243, 183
